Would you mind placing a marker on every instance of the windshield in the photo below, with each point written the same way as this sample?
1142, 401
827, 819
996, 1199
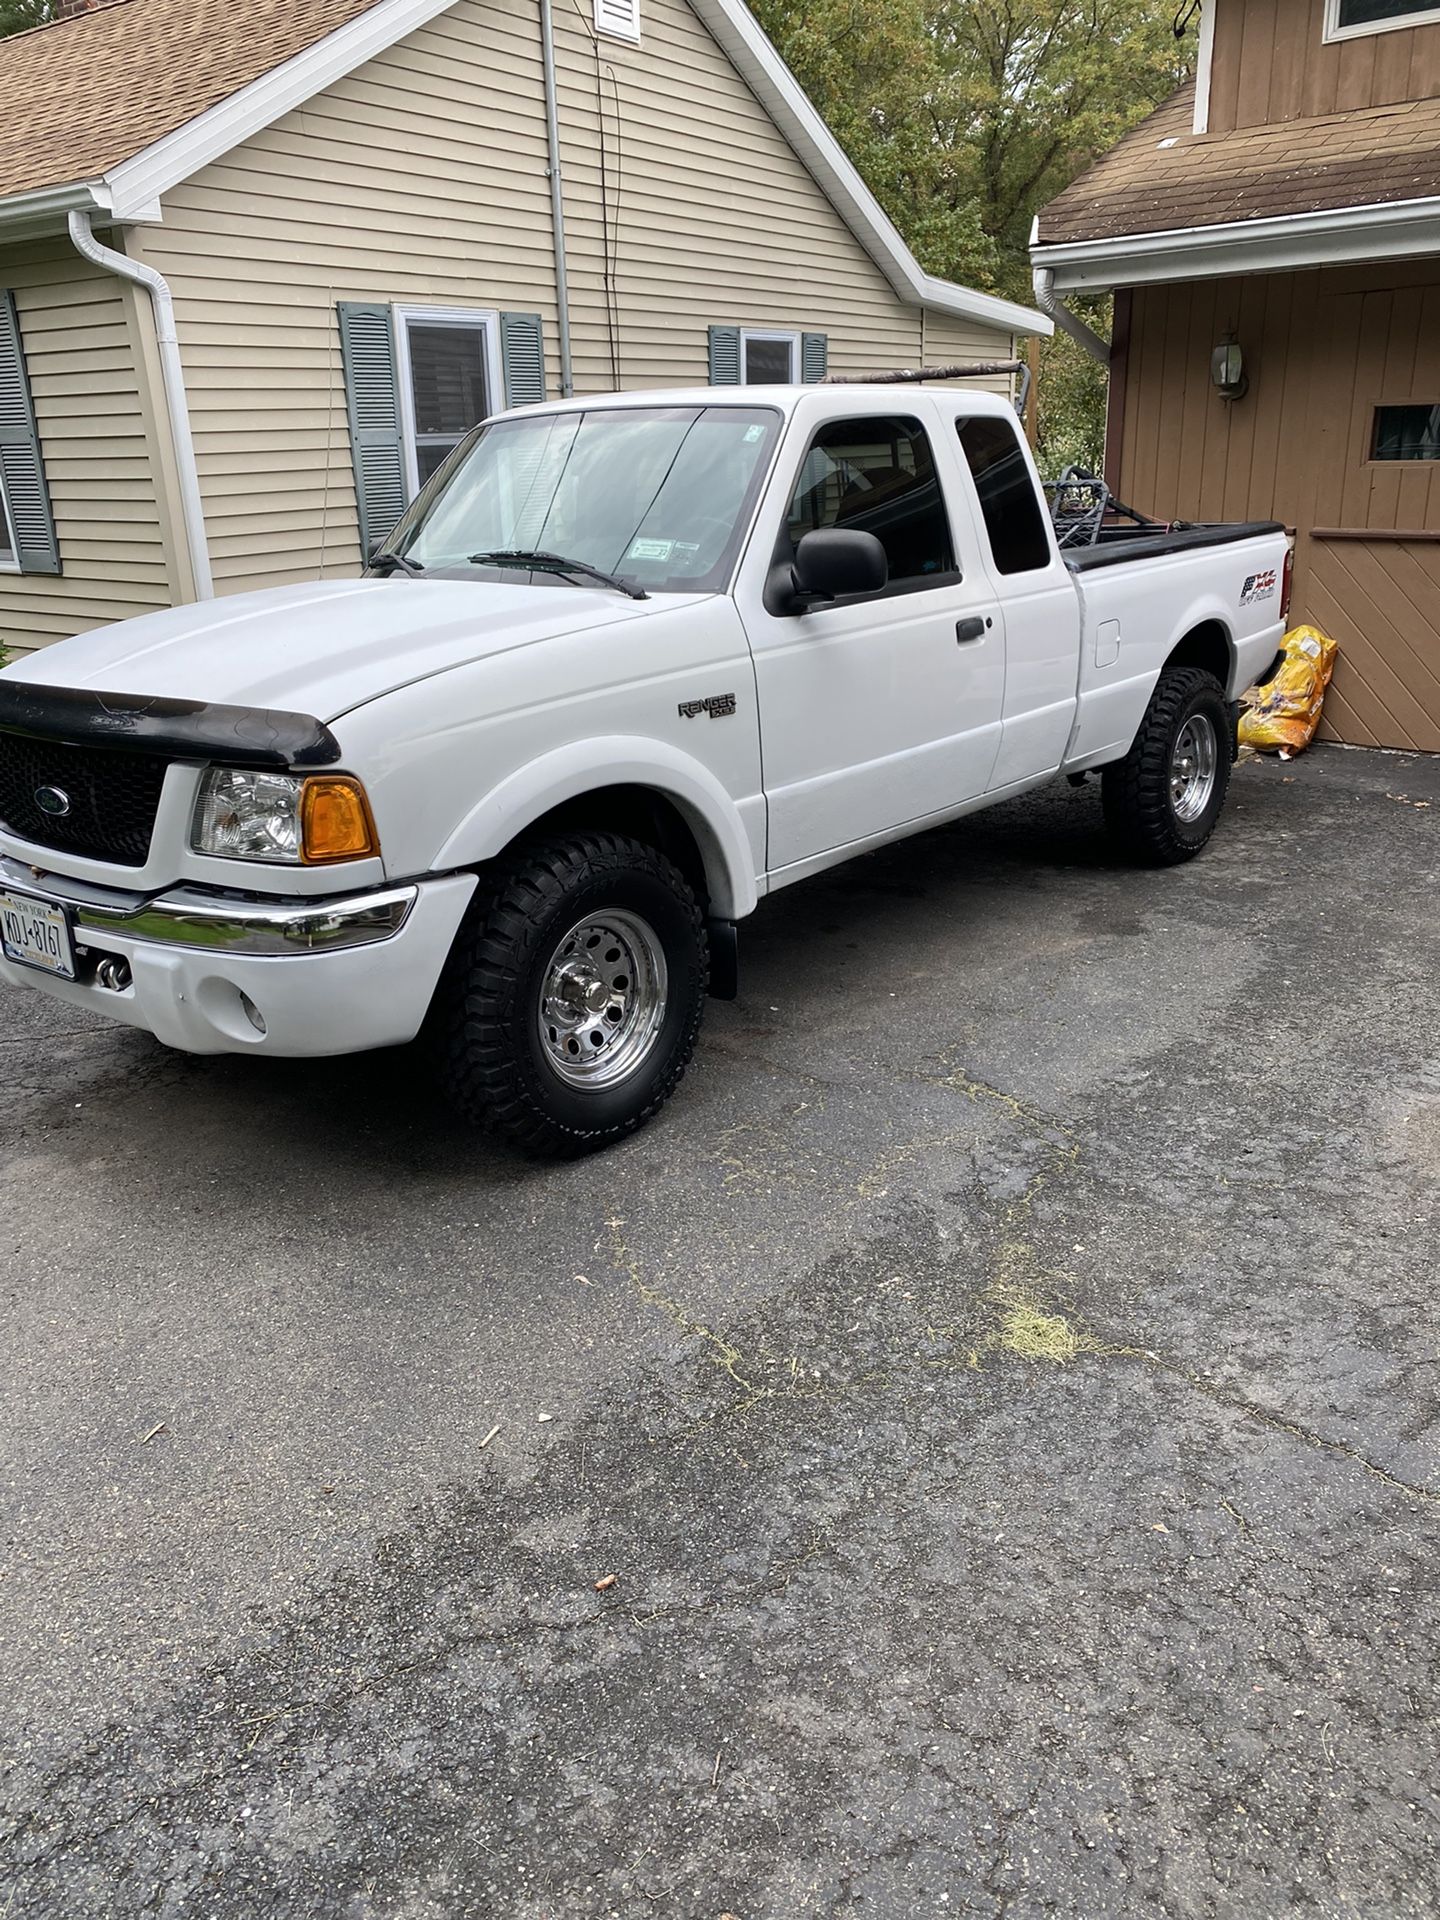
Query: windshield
657, 495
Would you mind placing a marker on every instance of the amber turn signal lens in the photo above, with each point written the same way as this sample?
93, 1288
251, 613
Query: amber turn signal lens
335, 822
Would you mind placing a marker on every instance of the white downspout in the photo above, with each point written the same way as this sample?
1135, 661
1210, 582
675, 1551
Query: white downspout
1056, 310
172, 373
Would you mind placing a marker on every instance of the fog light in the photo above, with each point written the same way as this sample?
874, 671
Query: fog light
252, 1013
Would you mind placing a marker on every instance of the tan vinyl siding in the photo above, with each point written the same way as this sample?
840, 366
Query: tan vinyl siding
84, 354
1323, 348
422, 179
1271, 63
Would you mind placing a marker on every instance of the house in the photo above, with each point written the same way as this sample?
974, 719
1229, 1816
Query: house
262, 264
1272, 238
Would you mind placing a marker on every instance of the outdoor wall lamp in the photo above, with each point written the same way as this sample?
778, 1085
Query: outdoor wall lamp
1227, 369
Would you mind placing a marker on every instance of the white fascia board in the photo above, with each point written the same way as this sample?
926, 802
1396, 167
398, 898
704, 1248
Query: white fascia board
1204, 66
771, 81
1395, 230
157, 168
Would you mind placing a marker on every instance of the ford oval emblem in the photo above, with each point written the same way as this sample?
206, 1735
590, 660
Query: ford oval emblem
53, 800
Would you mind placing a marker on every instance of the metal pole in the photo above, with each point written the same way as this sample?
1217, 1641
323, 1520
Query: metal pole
557, 198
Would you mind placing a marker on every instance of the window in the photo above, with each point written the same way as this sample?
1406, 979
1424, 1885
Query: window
1019, 542
8, 562
769, 359
1344, 18
618, 17
1406, 433
877, 475
447, 375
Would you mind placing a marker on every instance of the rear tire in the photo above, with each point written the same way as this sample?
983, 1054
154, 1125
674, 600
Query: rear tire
571, 1002
1163, 799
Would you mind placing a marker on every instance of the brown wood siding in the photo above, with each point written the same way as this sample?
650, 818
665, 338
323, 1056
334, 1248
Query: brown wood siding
1271, 62
1323, 349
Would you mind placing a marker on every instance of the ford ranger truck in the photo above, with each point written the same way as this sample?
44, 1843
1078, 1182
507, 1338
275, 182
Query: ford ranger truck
627, 664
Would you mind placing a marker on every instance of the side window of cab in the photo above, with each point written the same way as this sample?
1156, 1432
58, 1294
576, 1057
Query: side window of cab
877, 475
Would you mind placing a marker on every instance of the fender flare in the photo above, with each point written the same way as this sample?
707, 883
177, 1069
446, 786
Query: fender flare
584, 766
1205, 610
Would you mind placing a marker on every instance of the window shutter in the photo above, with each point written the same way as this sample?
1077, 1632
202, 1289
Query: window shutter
24, 473
725, 356
814, 357
522, 358
372, 398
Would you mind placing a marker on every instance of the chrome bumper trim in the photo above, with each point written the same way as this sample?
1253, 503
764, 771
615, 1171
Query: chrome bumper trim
189, 918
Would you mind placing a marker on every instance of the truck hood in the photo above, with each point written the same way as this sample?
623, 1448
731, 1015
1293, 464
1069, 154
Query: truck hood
328, 646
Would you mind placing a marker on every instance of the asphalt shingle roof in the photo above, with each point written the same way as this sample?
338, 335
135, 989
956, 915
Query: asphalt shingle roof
86, 92
1162, 176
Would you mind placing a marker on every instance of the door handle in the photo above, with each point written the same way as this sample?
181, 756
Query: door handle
972, 629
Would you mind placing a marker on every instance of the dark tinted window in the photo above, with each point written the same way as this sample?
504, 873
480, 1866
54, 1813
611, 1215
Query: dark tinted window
769, 363
1019, 540
878, 476
1406, 433
1360, 13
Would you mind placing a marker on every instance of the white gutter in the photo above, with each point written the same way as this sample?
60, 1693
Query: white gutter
557, 199
172, 374
1071, 323
1391, 230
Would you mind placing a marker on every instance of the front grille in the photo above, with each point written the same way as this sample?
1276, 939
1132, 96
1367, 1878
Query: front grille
112, 797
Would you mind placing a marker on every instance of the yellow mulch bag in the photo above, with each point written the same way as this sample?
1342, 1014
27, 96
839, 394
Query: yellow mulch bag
1284, 713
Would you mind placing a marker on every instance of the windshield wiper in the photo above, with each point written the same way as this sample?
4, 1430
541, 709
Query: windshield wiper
555, 563
390, 562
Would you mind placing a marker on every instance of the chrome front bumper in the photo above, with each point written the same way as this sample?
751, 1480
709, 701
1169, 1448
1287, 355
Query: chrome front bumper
187, 917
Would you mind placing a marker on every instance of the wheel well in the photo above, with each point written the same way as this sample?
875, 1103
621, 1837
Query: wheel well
1207, 647
642, 814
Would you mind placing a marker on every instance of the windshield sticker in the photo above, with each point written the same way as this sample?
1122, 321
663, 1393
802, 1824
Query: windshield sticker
651, 550
752, 434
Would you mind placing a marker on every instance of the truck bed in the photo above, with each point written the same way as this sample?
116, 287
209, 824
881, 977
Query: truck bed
1119, 542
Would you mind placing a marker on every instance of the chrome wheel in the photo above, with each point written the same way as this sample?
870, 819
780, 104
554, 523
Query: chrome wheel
602, 999
1192, 768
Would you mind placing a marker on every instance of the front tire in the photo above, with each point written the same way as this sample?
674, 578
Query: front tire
571, 1002
1163, 799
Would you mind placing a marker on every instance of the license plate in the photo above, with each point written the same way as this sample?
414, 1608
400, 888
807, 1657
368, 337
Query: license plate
37, 935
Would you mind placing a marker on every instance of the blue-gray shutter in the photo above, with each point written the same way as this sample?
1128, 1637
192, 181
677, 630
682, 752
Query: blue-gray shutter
372, 399
725, 356
23, 471
814, 357
522, 358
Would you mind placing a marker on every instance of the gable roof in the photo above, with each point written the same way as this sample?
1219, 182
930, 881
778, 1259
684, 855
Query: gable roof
1162, 176
110, 108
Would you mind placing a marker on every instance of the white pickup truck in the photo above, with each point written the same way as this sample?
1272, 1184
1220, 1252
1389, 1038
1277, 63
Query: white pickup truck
627, 664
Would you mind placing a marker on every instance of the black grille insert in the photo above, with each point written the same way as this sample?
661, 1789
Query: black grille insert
110, 798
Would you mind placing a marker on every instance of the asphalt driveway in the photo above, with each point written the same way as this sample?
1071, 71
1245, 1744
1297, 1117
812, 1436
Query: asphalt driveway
1003, 1388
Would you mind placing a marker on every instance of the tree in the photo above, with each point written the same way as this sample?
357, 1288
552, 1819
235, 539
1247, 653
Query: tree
17, 15
965, 116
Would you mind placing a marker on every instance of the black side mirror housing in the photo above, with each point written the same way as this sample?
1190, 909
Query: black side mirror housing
832, 562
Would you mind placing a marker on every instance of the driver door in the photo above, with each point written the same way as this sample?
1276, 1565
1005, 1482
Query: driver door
885, 708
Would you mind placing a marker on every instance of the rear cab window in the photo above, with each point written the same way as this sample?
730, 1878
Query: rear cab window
1016, 528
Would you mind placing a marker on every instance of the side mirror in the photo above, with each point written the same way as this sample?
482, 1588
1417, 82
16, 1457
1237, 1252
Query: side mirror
834, 561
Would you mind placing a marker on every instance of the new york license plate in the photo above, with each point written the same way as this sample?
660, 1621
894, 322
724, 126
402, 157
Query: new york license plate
37, 935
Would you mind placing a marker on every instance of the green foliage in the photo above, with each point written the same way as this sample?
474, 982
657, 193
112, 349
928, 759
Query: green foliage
17, 15
966, 116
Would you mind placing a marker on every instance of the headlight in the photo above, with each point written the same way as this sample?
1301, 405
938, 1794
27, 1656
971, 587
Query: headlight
293, 819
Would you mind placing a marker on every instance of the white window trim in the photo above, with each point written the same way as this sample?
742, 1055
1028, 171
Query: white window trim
1334, 31
485, 321
630, 35
782, 334
8, 543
